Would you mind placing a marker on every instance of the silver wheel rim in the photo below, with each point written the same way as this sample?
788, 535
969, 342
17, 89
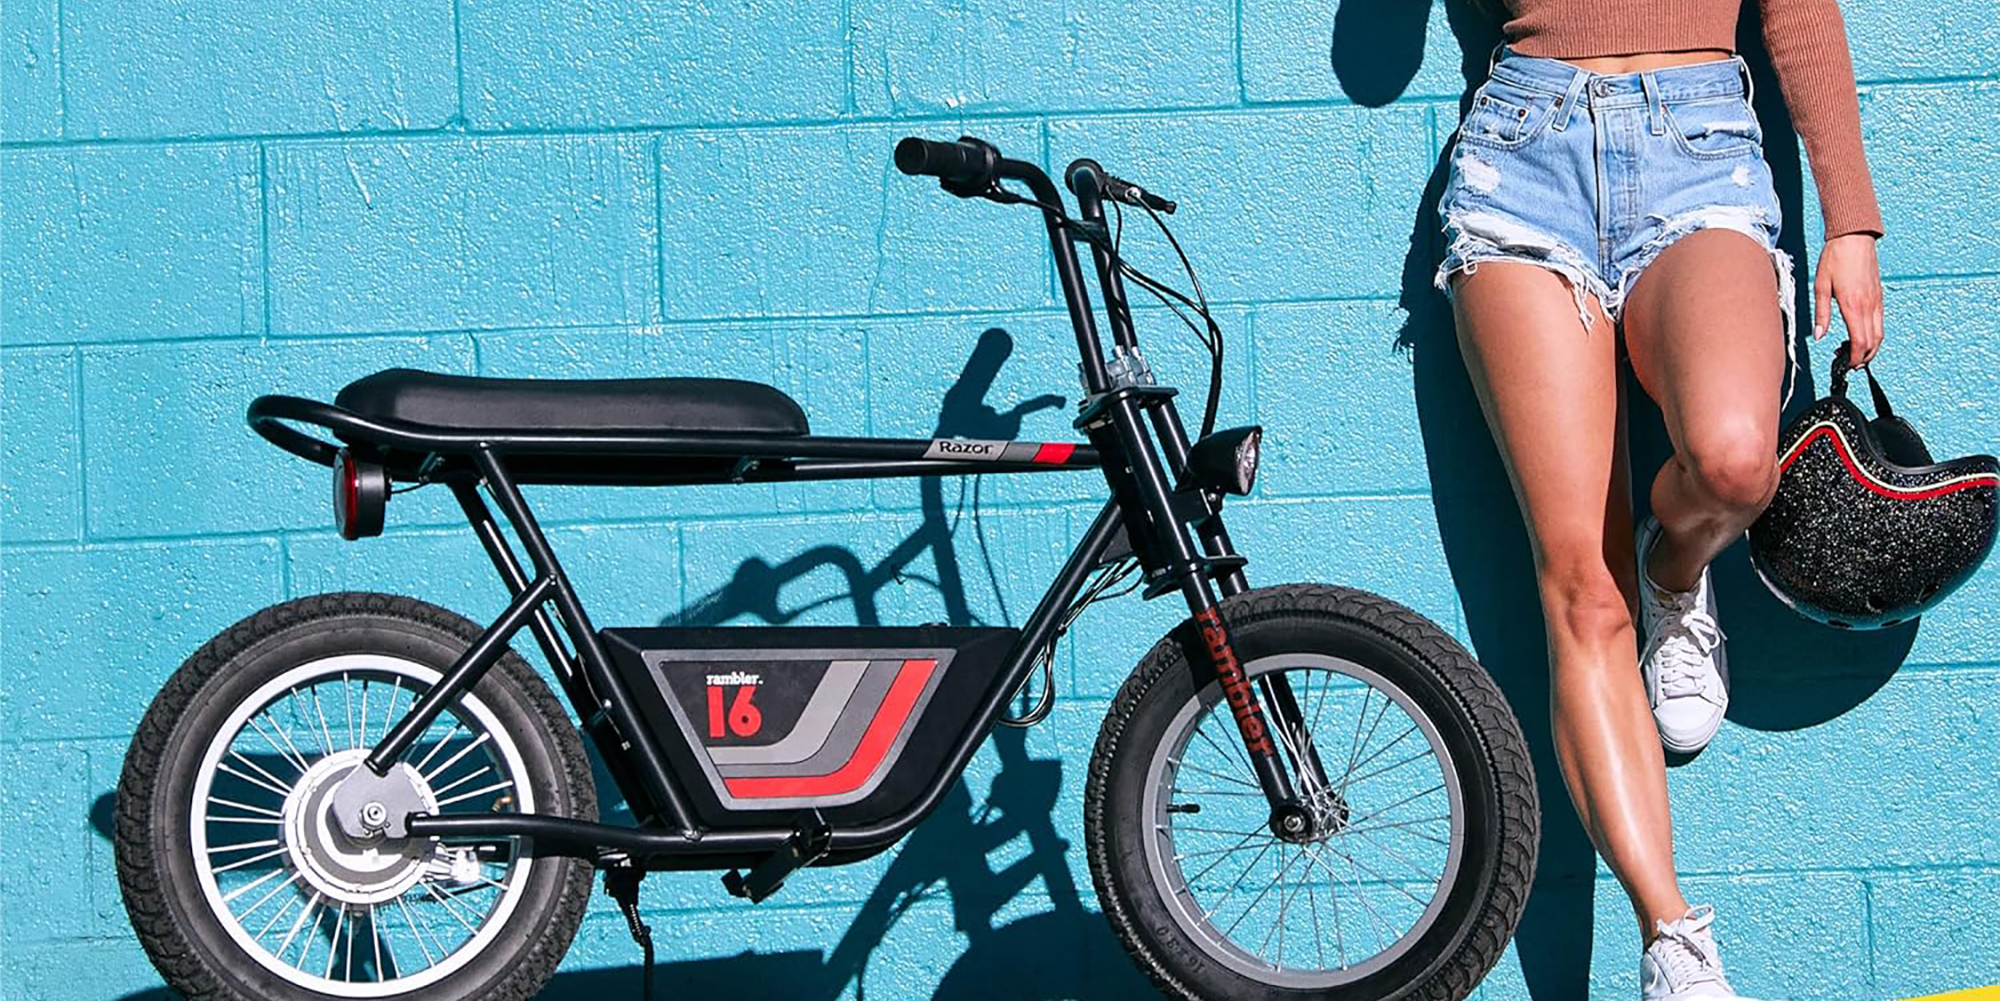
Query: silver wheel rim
327, 914
1337, 909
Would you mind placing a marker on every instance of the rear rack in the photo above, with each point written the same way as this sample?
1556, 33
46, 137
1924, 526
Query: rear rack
412, 451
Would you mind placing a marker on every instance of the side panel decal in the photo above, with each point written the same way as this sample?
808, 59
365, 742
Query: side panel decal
881, 734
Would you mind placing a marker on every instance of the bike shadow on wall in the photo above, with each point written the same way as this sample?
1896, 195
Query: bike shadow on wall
1787, 673
1064, 951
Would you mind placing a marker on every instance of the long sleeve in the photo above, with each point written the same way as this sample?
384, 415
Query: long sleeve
1807, 40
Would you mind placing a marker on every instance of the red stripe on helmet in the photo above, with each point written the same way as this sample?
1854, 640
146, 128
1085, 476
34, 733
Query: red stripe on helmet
1853, 469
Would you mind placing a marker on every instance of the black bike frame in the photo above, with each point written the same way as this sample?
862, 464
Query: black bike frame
1152, 509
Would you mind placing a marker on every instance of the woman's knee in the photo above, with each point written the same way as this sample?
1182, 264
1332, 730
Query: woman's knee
1737, 468
1582, 599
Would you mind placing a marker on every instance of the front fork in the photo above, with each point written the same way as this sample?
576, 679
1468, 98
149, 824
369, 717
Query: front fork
1266, 711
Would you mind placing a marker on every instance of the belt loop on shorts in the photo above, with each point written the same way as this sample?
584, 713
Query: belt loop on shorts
1656, 116
1749, 84
1494, 59
1566, 104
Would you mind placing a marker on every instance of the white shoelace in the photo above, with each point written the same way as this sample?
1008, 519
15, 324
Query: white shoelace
1686, 952
1687, 636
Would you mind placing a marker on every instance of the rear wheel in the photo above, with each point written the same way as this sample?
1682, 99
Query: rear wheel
235, 875
1414, 867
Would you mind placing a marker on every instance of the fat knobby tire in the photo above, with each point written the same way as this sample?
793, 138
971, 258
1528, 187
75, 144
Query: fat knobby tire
1449, 686
192, 952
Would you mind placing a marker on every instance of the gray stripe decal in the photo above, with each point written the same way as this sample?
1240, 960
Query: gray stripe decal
816, 721
982, 450
847, 731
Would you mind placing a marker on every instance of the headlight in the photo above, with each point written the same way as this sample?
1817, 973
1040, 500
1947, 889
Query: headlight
1227, 460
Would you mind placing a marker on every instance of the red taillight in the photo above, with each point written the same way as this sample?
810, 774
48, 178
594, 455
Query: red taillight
360, 495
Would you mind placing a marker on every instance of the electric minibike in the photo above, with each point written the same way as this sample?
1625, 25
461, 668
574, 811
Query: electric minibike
1302, 791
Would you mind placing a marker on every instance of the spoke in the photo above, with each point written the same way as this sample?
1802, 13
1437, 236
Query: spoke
1384, 749
253, 780
1384, 880
1201, 732
275, 918
1224, 853
358, 743
245, 845
1412, 866
252, 860
389, 715
1400, 802
1319, 705
1319, 937
1215, 830
415, 933
287, 751
326, 732
374, 930
339, 920
461, 780
1275, 880
456, 725
245, 806
1406, 823
1239, 882
462, 752
1215, 775
449, 909
1284, 902
347, 699
253, 766
274, 892
1375, 921
253, 884
311, 906
482, 790
1365, 741
1259, 794
242, 820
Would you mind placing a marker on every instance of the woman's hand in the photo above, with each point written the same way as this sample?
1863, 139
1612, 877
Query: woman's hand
1849, 274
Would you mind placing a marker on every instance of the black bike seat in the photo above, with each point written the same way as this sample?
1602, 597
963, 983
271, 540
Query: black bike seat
477, 403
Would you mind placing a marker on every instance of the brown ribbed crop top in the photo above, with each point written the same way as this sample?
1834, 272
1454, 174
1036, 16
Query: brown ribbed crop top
1808, 45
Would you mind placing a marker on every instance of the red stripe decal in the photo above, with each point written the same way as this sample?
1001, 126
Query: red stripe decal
868, 756
1893, 493
1054, 452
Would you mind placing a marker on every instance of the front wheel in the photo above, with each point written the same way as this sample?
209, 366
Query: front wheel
1410, 876
238, 880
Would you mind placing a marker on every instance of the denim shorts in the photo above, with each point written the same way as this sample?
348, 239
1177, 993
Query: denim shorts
1592, 175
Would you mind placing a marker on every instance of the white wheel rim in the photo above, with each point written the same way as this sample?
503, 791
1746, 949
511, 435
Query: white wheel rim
287, 883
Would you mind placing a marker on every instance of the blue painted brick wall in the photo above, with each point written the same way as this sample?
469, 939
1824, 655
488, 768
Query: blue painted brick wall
203, 201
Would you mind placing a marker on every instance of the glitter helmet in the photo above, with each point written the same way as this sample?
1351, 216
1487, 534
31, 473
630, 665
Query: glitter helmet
1867, 530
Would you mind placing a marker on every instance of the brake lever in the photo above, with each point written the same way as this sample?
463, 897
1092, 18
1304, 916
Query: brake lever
1136, 196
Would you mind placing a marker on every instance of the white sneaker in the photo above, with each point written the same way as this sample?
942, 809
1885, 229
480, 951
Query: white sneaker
1682, 964
1686, 670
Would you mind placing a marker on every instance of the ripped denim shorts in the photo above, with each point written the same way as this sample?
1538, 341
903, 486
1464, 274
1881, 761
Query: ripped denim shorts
1593, 175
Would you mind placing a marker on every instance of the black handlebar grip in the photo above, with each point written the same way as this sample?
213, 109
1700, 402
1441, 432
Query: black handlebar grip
953, 162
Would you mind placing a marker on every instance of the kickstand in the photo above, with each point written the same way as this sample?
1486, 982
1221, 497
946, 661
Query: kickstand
623, 885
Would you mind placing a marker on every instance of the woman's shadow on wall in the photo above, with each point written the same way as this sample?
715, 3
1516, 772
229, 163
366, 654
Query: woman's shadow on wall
1788, 673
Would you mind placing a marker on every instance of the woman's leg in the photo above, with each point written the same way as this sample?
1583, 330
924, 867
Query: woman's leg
1706, 339
1550, 393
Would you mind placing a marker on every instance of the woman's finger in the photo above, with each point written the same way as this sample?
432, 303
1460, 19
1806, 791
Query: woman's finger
1822, 302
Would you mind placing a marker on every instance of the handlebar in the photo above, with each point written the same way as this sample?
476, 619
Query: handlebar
960, 163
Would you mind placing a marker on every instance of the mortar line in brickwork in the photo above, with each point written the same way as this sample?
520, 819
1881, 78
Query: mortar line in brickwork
1868, 930
285, 567
1242, 79
849, 101
264, 228
458, 65
82, 453
62, 78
